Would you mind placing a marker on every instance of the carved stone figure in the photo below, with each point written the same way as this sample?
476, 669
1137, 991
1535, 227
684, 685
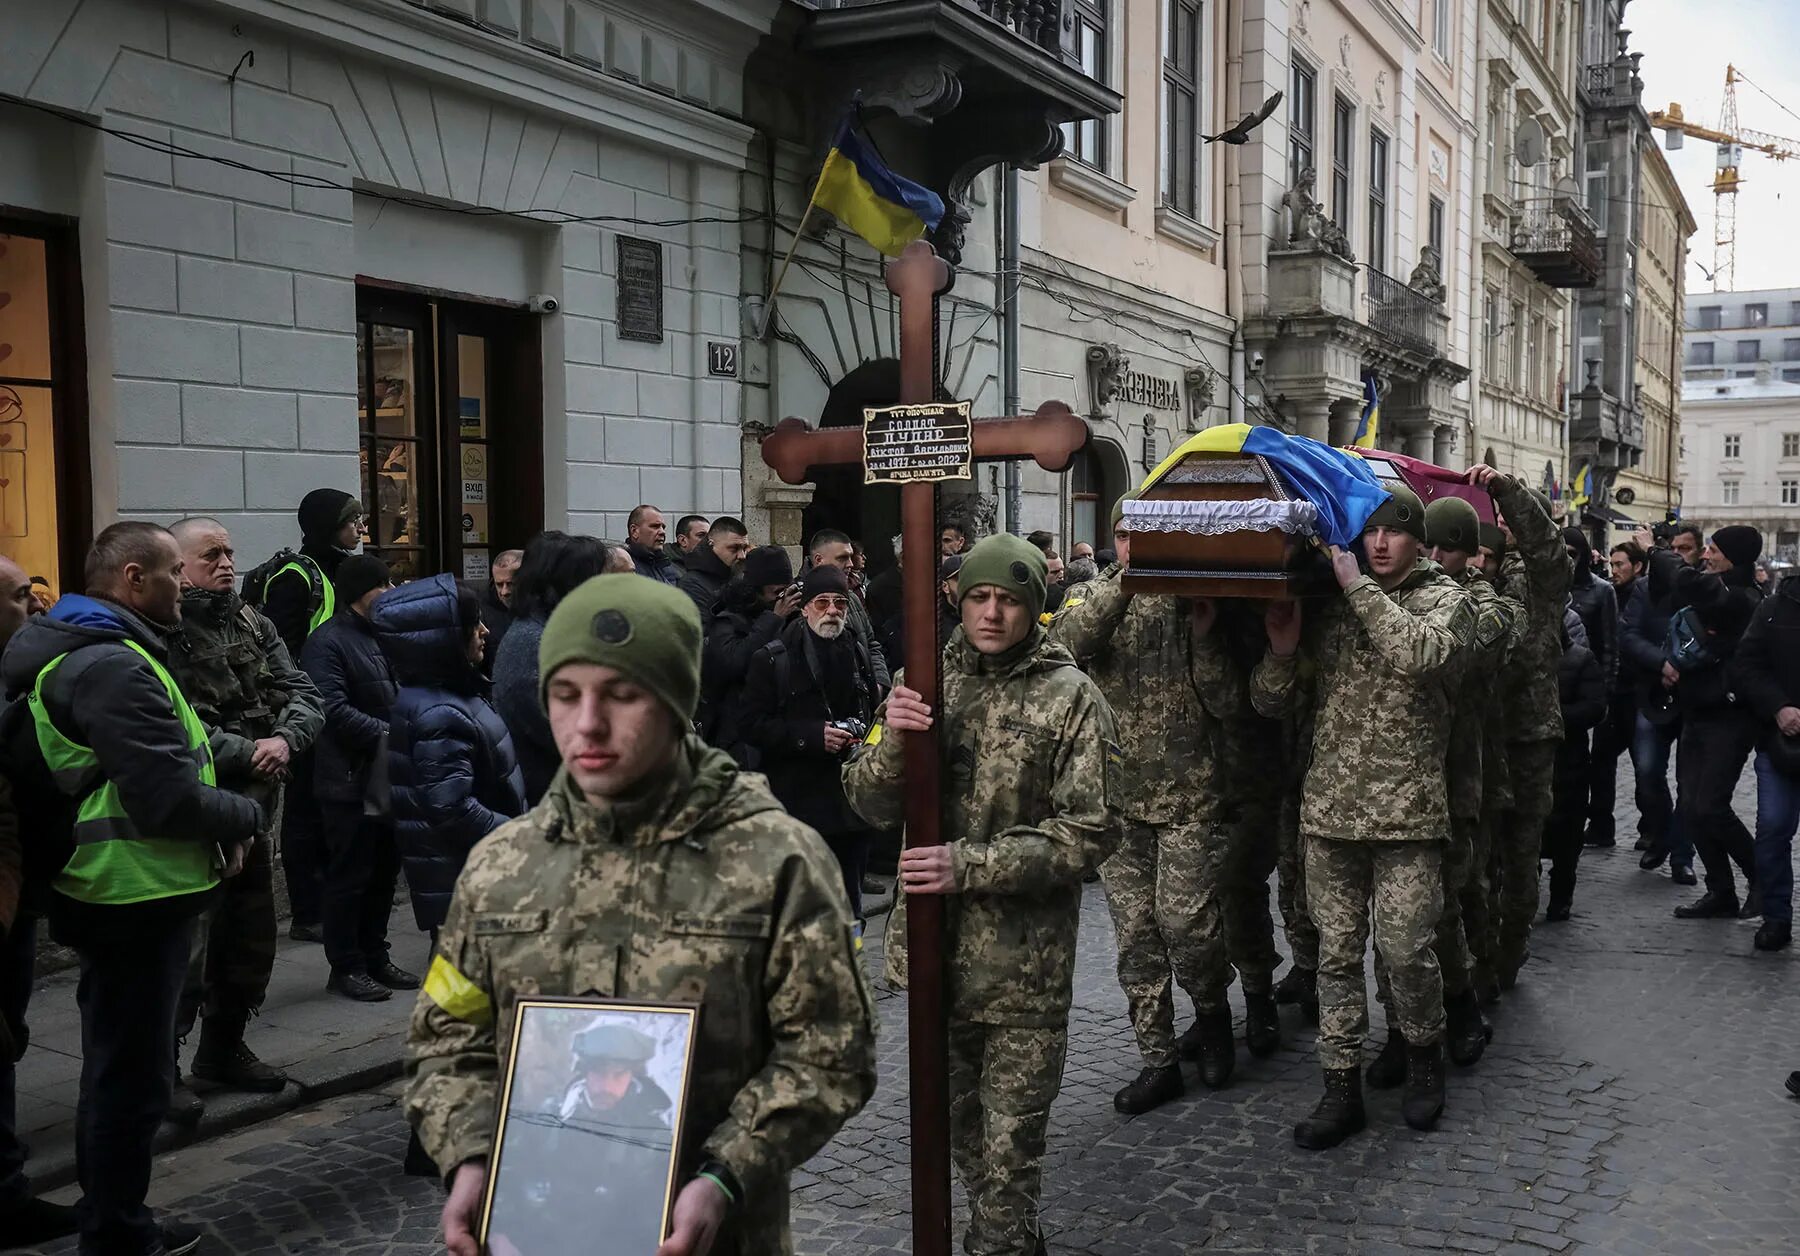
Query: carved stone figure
1304, 216
1199, 381
1106, 365
1428, 276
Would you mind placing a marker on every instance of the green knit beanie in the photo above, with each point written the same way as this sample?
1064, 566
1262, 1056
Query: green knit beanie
1452, 524
642, 628
1493, 538
1402, 510
1012, 563
1118, 513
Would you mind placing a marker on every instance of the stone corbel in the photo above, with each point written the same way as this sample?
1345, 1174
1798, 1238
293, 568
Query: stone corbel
1200, 386
1106, 367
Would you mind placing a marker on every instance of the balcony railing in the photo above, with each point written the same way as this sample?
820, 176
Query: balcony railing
1554, 237
1400, 313
1039, 21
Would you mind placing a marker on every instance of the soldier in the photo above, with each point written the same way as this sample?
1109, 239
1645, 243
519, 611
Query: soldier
262, 712
1374, 817
1536, 573
1299, 986
1482, 927
653, 869
1171, 683
1027, 746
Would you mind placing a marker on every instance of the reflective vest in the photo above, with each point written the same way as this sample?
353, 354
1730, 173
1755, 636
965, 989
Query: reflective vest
327, 603
114, 863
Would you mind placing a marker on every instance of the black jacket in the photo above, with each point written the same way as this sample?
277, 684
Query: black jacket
1643, 639
704, 579
1724, 604
652, 563
1765, 671
450, 758
498, 618
288, 600
356, 686
741, 627
1582, 688
1598, 606
515, 697
785, 709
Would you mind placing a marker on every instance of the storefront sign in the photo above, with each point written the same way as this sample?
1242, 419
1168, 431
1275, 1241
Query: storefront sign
640, 289
907, 444
1139, 388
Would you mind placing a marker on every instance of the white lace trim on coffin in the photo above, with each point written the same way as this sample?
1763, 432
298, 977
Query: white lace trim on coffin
1212, 518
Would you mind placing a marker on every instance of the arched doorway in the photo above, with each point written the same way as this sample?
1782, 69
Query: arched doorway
868, 512
1098, 479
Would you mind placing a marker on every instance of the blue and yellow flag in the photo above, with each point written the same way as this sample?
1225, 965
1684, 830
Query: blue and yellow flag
886, 210
1579, 495
1368, 427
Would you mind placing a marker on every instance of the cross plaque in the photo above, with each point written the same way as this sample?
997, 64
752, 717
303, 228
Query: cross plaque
1052, 437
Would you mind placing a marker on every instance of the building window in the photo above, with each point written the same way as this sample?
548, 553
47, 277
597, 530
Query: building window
1343, 149
1790, 444
1496, 175
1791, 374
1756, 315
1790, 492
1181, 109
1710, 318
1728, 492
1794, 313
1734, 446
1434, 232
1592, 347
1302, 105
1749, 351
1516, 333
1700, 353
1594, 175
1378, 182
1790, 348
1086, 140
1440, 29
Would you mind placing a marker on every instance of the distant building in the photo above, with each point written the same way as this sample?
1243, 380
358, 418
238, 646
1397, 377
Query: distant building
1729, 333
1740, 459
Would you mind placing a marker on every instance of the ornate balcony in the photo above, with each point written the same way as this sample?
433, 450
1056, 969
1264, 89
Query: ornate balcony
1554, 237
1401, 313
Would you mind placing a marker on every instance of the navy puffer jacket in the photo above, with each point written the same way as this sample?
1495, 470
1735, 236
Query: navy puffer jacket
450, 761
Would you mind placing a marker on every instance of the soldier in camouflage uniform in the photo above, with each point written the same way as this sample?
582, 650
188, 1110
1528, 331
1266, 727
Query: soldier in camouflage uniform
1536, 572
263, 712
1374, 815
1171, 683
1482, 923
1027, 748
652, 870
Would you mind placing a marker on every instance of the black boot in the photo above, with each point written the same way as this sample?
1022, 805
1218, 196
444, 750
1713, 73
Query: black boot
1388, 1069
223, 1058
1466, 1028
1557, 912
1218, 1049
1153, 1088
1262, 1025
1709, 906
1299, 987
1423, 1102
1339, 1114
1773, 935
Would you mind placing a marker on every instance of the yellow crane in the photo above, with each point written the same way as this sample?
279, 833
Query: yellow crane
1731, 140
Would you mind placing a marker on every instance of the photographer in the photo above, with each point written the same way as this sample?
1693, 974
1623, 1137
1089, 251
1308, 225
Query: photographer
808, 698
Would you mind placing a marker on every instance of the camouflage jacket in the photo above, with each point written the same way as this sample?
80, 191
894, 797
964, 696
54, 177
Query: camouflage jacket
1473, 708
1387, 664
703, 890
1170, 695
1536, 573
235, 671
1028, 747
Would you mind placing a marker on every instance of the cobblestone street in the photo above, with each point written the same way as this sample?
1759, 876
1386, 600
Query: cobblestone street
1631, 1102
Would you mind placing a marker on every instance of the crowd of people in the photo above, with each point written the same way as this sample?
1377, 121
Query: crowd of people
646, 742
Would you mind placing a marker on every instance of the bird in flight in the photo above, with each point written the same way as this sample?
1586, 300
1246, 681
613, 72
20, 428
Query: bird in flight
1240, 133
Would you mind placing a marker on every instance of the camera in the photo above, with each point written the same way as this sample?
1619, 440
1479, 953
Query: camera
1256, 362
543, 304
850, 724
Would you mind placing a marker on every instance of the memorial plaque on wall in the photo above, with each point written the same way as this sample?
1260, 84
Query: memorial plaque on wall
907, 444
640, 288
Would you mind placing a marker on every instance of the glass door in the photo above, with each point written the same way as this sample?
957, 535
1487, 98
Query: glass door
397, 445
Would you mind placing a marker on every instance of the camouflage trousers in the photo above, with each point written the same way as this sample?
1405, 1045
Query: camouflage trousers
1520, 839
1290, 887
1250, 857
1003, 1080
234, 946
1164, 887
1450, 944
1399, 886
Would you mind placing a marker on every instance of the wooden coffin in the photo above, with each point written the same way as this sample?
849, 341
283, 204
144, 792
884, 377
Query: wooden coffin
1221, 525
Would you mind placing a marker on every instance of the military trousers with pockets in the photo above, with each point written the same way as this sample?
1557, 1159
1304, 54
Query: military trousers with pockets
1165, 888
1249, 929
1003, 1080
1398, 887
1290, 886
234, 945
1450, 944
1521, 840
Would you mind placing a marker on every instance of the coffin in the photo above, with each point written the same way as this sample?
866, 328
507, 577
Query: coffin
1219, 524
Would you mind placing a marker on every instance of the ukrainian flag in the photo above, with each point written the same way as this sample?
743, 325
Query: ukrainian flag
886, 210
1368, 428
1579, 495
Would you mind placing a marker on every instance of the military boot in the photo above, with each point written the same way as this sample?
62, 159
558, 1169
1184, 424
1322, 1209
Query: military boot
1388, 1069
1339, 1114
224, 1059
1466, 1029
1423, 1101
1153, 1088
1262, 1025
185, 1107
1218, 1048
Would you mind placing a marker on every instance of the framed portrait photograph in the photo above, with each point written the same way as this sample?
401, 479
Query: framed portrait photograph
589, 1127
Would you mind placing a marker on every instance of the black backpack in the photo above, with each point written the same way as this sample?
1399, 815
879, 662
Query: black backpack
256, 581
46, 813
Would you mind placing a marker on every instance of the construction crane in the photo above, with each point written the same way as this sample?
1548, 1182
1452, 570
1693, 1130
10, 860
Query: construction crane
1732, 140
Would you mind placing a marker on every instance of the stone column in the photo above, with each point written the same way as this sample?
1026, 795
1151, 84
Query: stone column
1418, 443
1345, 414
1443, 446
1313, 418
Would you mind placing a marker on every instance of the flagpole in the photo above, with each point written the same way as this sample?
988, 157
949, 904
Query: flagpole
781, 275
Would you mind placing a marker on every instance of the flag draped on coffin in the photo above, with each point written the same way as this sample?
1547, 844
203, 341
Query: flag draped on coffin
888, 211
1339, 484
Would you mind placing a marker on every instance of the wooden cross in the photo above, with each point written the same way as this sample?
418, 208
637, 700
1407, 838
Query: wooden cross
1052, 437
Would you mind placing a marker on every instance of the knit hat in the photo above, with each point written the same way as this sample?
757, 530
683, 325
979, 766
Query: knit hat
1118, 513
1493, 538
1402, 510
948, 566
1740, 543
358, 574
824, 578
768, 564
324, 510
1543, 499
1452, 524
1010, 563
644, 629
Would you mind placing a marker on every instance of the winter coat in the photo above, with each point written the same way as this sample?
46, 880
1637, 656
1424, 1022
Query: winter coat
1725, 604
1598, 607
1765, 671
498, 617
704, 578
1643, 638
653, 563
287, 599
740, 627
356, 687
515, 697
785, 709
450, 758
1581, 688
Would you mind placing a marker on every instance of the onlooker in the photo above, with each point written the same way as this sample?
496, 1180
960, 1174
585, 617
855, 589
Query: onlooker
949, 617
952, 539
810, 696
1613, 737
644, 531
1643, 639
496, 602
1596, 604
156, 836
1044, 541
883, 595
1713, 605
555, 563
752, 611
618, 559
356, 685
690, 534
450, 759
711, 566
1765, 675
1581, 687
1080, 569
1058, 585
831, 548
1078, 551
